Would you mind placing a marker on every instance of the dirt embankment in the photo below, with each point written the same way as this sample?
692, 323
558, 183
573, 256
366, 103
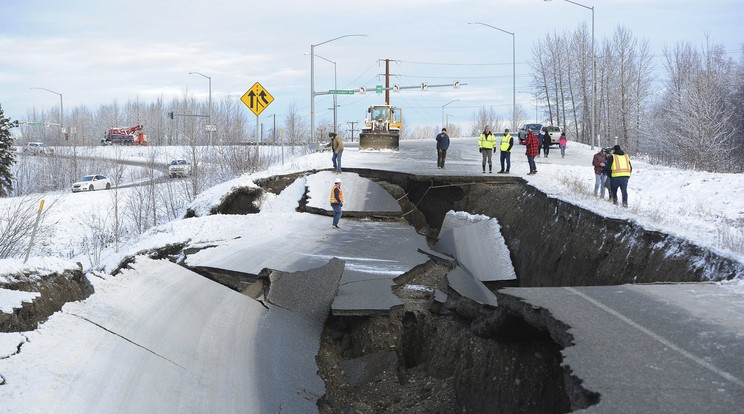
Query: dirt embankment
554, 243
55, 290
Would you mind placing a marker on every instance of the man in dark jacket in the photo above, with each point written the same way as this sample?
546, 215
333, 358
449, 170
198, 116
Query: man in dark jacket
618, 168
442, 145
546, 141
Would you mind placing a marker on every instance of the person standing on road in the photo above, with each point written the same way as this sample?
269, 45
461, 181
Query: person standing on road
619, 169
540, 134
598, 162
486, 142
533, 150
338, 148
562, 144
442, 145
546, 141
507, 142
337, 201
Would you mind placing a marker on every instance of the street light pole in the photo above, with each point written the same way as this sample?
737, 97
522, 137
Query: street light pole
312, 81
61, 107
335, 86
210, 104
454, 100
514, 72
594, 67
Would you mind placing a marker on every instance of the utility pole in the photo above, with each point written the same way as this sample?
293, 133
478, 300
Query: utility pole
352, 128
387, 81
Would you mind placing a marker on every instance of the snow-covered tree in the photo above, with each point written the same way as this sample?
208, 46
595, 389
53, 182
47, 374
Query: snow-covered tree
7, 156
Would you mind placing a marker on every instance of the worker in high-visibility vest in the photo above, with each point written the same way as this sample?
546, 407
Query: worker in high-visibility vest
507, 142
486, 142
337, 201
618, 168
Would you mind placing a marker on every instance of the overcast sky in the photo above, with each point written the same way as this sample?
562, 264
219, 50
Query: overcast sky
96, 52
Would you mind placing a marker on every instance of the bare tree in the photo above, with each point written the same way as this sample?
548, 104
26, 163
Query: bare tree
297, 129
485, 116
696, 106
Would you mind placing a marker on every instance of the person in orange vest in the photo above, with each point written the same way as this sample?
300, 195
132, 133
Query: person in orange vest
618, 168
337, 201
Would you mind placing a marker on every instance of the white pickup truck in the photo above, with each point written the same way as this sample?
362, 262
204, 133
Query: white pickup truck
555, 133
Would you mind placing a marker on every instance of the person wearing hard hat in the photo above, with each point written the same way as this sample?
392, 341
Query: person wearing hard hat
337, 201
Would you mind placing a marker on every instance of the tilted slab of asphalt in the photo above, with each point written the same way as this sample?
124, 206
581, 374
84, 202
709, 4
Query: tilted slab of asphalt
651, 348
162, 339
477, 244
362, 197
374, 253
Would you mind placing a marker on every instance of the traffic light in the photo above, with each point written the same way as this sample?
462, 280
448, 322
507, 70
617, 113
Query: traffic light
424, 86
16, 123
362, 90
170, 115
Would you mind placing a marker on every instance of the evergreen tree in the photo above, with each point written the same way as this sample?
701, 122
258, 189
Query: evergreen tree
7, 156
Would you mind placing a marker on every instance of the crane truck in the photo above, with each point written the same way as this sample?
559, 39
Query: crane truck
125, 136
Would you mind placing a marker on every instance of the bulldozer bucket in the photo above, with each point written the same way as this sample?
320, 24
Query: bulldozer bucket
378, 141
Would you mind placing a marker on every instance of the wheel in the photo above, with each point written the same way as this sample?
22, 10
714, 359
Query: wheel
90, 188
108, 186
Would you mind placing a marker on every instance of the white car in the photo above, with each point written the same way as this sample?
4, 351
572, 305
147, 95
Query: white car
179, 168
91, 183
38, 148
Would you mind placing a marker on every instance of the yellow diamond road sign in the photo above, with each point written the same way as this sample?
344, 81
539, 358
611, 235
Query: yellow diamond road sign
257, 98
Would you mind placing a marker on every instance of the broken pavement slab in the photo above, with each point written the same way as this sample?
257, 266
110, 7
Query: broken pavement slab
477, 244
309, 292
190, 345
645, 348
468, 286
362, 197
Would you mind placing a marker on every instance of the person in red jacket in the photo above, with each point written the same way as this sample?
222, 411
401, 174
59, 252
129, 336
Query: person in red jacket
533, 148
598, 162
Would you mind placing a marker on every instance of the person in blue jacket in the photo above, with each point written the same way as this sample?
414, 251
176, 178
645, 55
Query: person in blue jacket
442, 145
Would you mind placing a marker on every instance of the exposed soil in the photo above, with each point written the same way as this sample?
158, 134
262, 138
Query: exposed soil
425, 358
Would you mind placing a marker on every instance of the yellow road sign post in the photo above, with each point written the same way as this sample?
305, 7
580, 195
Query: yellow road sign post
257, 98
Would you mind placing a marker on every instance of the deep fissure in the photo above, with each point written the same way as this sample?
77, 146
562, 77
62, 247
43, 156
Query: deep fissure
551, 243
458, 355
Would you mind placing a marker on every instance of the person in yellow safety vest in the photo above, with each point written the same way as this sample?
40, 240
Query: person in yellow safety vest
337, 201
507, 142
618, 168
486, 142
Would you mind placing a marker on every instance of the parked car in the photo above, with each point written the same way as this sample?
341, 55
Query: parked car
522, 133
91, 183
179, 168
555, 133
38, 148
